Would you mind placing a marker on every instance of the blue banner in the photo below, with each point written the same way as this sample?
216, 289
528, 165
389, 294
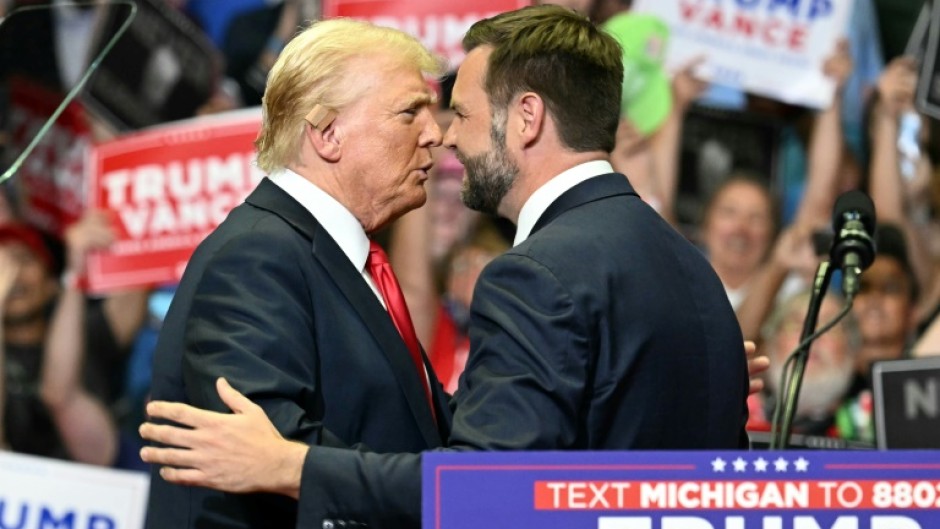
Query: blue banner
682, 490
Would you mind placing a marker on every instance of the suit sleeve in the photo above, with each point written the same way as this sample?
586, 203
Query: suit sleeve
521, 390
359, 487
524, 383
251, 321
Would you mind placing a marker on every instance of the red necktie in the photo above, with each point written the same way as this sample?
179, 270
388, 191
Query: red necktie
384, 278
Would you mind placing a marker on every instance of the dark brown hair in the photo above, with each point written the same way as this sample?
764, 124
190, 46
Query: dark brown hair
559, 54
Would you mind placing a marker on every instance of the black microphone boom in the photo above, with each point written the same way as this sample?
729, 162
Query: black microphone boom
853, 248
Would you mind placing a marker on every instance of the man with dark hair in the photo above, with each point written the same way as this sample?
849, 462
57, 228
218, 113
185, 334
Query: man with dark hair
602, 329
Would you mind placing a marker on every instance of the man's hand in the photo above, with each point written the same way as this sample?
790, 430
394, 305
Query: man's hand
756, 364
237, 452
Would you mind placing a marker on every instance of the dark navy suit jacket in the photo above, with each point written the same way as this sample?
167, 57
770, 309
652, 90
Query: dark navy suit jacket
604, 330
270, 302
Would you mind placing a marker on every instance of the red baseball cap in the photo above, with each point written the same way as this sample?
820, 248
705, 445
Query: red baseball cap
29, 237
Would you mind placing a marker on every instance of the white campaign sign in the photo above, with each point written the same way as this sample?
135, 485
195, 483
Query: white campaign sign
775, 48
40, 493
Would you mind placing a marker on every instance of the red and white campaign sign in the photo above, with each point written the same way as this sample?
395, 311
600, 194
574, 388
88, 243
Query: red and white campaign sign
168, 188
51, 180
439, 25
770, 47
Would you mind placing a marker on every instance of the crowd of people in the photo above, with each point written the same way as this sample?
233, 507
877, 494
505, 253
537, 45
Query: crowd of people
74, 369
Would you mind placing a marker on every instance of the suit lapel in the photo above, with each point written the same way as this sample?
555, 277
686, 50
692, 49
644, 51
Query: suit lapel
270, 197
363, 300
590, 190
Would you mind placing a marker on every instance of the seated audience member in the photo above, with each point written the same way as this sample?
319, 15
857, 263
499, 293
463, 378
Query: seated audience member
828, 372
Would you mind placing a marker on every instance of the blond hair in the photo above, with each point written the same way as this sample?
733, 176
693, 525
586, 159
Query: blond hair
312, 69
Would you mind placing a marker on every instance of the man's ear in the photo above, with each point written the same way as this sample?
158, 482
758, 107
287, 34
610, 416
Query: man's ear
531, 111
327, 143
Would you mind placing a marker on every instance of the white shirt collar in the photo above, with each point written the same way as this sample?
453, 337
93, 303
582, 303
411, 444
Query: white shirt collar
338, 221
543, 197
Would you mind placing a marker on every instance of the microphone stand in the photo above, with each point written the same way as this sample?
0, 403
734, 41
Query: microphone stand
790, 390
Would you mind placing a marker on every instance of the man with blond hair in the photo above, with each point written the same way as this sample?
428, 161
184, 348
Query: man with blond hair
601, 329
283, 299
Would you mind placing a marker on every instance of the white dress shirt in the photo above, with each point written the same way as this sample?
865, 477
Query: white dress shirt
551, 190
338, 221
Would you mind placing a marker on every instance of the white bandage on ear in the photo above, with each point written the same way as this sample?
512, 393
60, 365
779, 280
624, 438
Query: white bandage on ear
320, 117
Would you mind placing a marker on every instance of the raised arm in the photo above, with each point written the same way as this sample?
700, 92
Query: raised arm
896, 88
666, 142
793, 250
827, 147
85, 424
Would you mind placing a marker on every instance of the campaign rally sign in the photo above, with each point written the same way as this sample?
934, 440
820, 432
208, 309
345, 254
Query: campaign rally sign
40, 493
682, 490
167, 189
51, 180
439, 25
774, 48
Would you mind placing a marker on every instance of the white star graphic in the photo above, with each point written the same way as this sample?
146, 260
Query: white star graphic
740, 465
760, 464
801, 464
718, 465
780, 464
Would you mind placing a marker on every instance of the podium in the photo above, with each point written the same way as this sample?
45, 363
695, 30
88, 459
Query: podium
682, 490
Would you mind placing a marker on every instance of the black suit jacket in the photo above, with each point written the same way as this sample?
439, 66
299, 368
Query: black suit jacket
604, 330
270, 302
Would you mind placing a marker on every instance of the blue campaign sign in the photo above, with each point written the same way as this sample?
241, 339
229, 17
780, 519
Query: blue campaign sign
682, 490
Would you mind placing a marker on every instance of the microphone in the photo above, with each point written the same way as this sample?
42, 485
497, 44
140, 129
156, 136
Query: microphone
853, 249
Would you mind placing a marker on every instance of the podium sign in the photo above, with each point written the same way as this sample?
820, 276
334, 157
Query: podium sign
682, 490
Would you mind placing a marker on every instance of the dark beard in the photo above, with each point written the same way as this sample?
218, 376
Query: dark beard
490, 175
